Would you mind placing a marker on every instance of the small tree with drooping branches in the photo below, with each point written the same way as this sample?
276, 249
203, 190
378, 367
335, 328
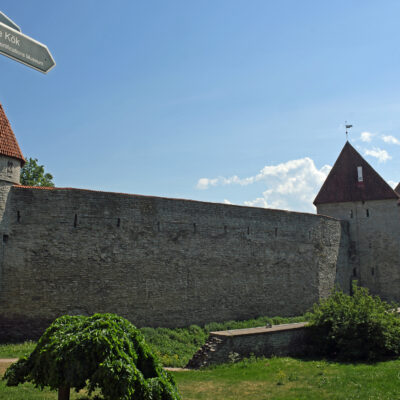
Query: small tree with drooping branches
104, 352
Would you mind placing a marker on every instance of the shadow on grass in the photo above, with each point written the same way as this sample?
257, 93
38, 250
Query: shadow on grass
343, 360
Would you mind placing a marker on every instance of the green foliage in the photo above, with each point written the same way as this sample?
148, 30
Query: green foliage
103, 351
32, 174
357, 327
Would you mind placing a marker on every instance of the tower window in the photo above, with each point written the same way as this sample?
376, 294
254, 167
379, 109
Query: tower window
354, 271
360, 174
9, 168
351, 213
367, 212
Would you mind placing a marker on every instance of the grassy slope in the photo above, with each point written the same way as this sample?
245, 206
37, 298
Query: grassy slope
16, 350
175, 347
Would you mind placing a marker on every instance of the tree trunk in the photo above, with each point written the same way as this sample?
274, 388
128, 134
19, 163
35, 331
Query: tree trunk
63, 393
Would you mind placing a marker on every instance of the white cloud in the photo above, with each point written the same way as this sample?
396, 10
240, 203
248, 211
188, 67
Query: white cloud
205, 183
291, 185
226, 201
390, 139
393, 184
381, 155
366, 136
258, 202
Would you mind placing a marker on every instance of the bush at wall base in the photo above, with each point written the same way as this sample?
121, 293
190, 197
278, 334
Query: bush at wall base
103, 352
356, 327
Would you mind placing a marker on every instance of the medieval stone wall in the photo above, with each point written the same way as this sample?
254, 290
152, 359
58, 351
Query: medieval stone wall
158, 261
374, 249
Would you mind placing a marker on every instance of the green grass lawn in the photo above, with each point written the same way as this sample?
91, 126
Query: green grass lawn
288, 378
274, 378
28, 392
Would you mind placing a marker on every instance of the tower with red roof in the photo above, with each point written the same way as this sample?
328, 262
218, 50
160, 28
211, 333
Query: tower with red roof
355, 193
11, 158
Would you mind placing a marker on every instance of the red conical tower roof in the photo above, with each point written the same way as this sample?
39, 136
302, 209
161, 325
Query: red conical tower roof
8, 143
342, 183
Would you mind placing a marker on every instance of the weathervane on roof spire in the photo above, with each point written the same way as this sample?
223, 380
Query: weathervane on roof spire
347, 127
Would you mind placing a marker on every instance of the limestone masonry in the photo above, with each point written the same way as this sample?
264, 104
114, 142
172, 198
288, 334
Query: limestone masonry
169, 262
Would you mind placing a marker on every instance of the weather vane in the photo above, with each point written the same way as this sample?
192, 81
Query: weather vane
347, 127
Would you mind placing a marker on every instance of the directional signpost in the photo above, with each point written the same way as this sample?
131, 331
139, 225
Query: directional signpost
8, 21
22, 48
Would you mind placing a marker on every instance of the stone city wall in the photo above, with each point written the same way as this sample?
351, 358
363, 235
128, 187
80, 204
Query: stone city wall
158, 261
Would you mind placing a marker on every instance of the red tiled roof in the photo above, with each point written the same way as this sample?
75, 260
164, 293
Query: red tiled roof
342, 184
8, 143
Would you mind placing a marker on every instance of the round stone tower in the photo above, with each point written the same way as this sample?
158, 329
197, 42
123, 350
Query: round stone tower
11, 158
11, 161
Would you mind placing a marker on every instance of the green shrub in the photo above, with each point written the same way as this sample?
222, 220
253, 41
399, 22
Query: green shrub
103, 352
357, 327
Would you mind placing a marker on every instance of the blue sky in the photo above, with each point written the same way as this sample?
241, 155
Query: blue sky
223, 101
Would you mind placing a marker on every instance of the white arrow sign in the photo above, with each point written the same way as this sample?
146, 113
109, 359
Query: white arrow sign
24, 49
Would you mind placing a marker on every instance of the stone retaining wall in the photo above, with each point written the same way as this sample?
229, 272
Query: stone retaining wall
278, 340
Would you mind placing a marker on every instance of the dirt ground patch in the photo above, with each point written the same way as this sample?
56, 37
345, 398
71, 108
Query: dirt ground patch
5, 363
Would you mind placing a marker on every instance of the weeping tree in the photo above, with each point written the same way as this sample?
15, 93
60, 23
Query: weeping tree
104, 352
